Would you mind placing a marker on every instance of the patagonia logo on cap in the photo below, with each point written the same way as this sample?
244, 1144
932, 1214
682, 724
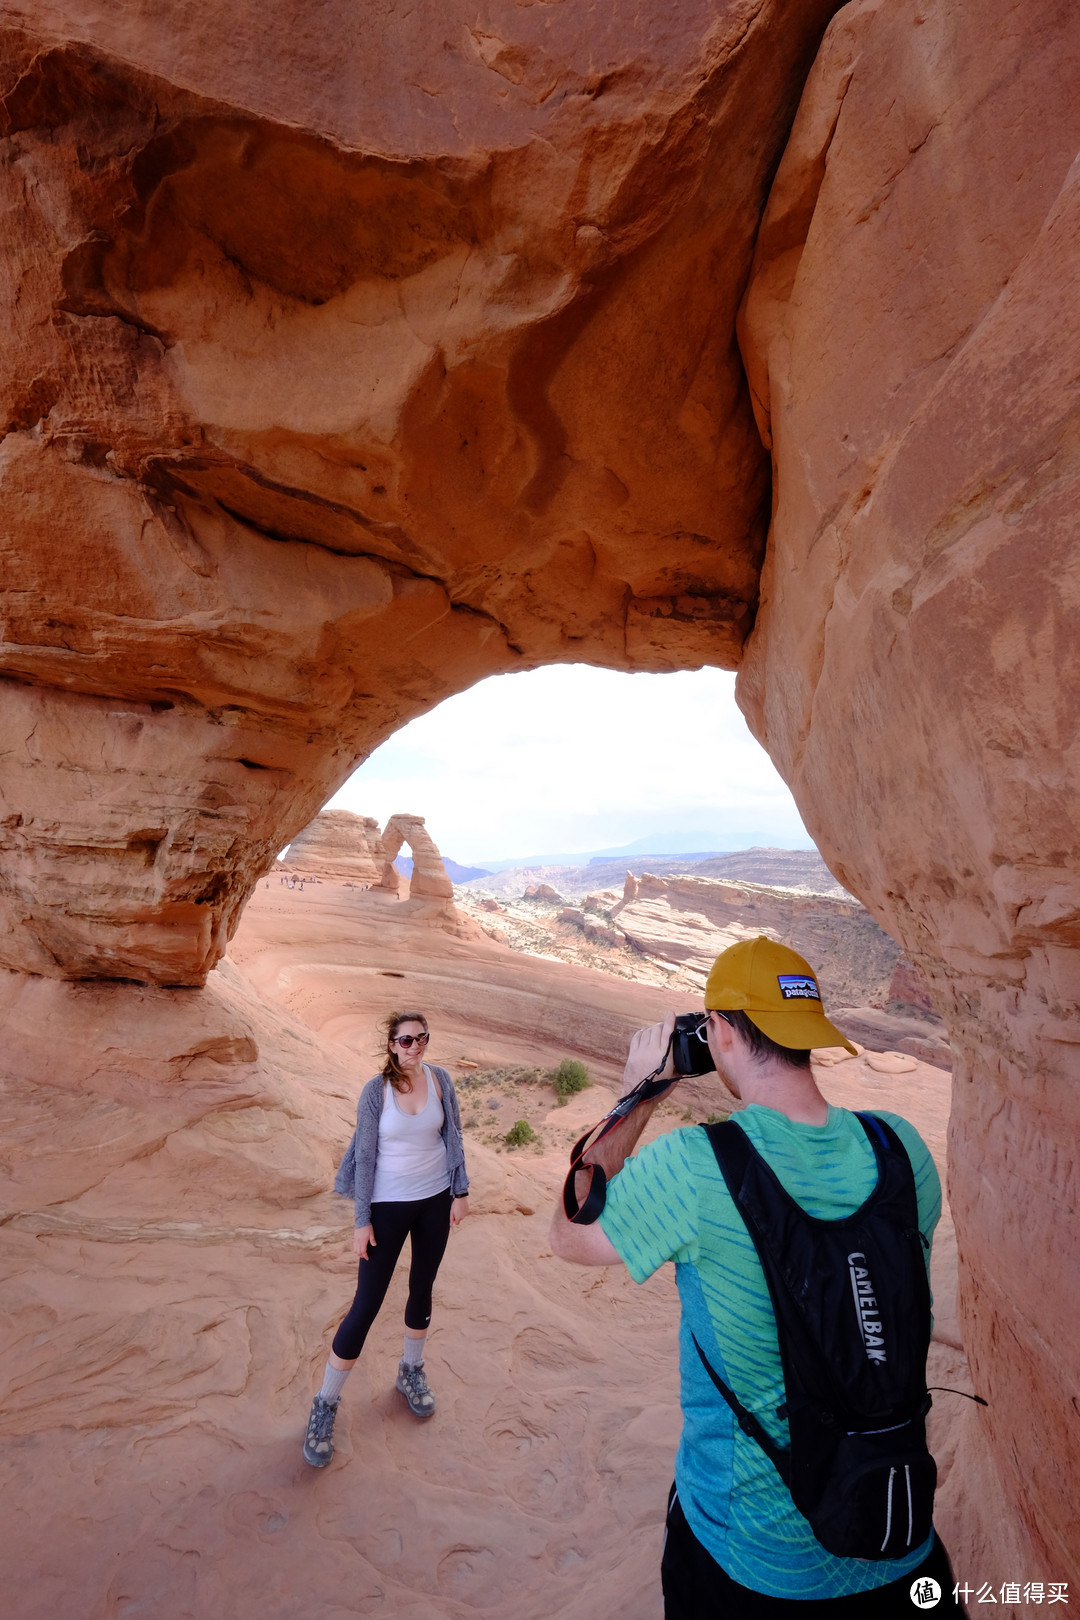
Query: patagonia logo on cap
798, 987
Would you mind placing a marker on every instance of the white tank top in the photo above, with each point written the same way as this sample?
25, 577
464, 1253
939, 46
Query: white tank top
411, 1160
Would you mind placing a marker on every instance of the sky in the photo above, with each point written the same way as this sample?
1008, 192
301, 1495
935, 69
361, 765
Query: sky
570, 759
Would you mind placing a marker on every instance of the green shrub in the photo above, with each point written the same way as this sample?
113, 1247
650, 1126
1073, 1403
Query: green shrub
520, 1133
714, 1119
505, 1074
569, 1077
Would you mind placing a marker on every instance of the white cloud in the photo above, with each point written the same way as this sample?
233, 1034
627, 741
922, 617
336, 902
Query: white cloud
572, 758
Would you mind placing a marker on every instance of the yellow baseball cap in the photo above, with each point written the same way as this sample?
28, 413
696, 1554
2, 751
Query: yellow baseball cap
778, 991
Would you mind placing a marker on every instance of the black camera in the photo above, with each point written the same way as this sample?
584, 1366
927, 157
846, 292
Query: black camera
690, 1045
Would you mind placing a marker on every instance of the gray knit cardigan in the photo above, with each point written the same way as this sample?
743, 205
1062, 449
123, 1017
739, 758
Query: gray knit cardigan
356, 1172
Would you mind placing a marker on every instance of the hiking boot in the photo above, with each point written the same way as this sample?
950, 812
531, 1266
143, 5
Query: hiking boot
414, 1386
319, 1445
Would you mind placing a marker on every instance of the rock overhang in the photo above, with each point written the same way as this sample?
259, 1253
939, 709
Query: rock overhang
333, 393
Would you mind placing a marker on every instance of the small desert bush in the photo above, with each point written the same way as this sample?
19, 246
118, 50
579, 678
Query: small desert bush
503, 1075
520, 1133
569, 1077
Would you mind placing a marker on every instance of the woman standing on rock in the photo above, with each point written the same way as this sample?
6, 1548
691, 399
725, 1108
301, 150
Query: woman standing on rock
405, 1170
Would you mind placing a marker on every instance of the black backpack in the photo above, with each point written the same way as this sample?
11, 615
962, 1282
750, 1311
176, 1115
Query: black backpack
852, 1306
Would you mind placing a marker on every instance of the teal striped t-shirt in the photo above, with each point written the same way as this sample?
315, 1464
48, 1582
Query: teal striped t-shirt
670, 1202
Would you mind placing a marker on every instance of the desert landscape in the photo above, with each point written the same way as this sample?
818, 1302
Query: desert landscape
358, 354
196, 1263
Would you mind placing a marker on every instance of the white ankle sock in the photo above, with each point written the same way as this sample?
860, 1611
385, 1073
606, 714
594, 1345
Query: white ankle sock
414, 1352
333, 1382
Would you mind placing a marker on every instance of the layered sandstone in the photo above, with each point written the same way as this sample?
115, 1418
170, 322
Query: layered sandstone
338, 844
354, 358
690, 920
912, 338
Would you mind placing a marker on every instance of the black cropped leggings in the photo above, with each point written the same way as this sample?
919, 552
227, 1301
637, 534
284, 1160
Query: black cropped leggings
427, 1222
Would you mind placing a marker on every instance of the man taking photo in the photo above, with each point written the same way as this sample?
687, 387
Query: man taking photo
736, 1544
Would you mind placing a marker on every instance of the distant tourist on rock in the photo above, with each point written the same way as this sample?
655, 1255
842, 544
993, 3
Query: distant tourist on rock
801, 1236
405, 1172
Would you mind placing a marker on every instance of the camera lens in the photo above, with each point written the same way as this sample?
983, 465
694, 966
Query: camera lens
690, 1044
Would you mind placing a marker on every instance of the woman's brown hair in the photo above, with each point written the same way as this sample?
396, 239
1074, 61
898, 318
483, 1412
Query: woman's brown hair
392, 1069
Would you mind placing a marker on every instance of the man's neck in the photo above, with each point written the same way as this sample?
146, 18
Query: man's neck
792, 1092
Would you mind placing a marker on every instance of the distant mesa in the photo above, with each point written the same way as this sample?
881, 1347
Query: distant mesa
454, 870
670, 929
799, 869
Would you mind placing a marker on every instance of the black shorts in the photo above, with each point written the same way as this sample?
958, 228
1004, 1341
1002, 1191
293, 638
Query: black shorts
697, 1588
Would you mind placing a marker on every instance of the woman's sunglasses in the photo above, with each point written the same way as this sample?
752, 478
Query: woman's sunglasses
407, 1040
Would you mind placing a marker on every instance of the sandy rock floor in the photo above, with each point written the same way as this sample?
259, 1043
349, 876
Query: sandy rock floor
172, 1269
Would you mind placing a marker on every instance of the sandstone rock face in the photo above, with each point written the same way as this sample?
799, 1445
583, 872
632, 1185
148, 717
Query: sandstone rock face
690, 920
428, 880
912, 337
907, 987
338, 844
544, 892
348, 372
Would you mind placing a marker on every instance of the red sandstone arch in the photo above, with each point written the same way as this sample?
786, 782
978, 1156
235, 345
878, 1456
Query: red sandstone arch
429, 880
339, 401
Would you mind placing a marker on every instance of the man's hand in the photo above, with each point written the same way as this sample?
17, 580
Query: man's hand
361, 1238
589, 1245
647, 1052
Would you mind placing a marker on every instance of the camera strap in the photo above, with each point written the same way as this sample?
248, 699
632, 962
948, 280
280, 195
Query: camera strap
585, 1211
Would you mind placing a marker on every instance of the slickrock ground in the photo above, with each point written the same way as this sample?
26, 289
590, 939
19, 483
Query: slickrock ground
173, 1268
338, 958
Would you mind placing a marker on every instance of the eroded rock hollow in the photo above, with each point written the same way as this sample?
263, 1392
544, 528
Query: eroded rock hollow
338, 381
354, 358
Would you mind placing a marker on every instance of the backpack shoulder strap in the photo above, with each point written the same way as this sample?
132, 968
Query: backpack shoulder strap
734, 1151
779, 1456
882, 1137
